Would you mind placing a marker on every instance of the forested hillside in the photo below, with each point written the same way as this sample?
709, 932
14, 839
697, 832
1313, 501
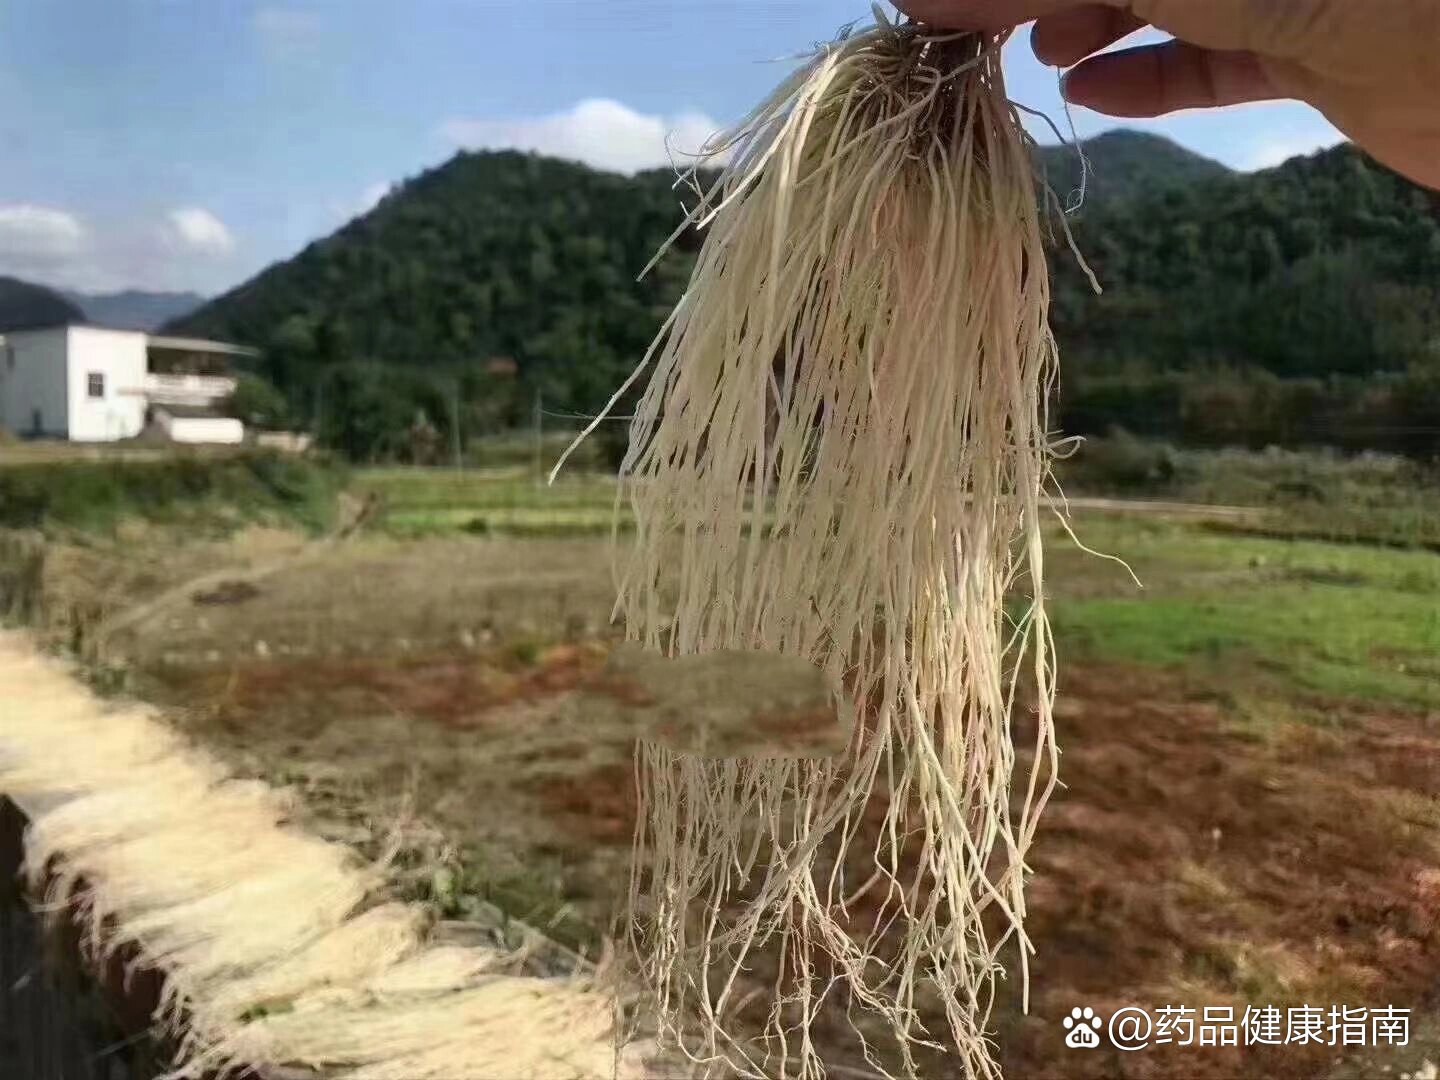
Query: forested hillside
488, 259
1298, 304
23, 305
1324, 265
1122, 164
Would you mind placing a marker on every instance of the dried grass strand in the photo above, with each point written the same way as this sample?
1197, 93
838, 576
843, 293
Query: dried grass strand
273, 947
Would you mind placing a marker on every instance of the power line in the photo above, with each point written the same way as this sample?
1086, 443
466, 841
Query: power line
581, 416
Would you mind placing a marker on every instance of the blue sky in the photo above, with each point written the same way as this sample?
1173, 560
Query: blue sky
185, 144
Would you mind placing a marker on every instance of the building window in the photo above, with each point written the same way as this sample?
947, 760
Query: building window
95, 384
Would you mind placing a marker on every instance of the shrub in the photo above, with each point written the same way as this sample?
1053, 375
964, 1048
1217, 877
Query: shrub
1121, 463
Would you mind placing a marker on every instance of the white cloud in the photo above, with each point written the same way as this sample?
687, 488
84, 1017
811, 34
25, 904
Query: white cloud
370, 198
197, 230
39, 233
597, 131
285, 31
189, 248
42, 243
1279, 148
342, 211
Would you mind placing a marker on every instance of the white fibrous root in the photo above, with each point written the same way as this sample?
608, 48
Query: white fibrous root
841, 455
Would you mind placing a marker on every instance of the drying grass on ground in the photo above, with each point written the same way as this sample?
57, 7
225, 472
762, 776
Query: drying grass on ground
73, 592
276, 949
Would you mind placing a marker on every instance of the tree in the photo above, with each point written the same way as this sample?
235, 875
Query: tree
372, 411
258, 404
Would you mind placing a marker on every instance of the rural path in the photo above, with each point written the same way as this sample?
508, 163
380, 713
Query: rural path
226, 575
1160, 508
351, 522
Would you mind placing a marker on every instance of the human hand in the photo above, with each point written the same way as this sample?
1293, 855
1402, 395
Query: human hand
1371, 67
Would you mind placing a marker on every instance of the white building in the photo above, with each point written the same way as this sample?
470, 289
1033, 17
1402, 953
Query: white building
89, 384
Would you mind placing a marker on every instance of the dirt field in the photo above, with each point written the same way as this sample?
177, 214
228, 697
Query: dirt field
1250, 808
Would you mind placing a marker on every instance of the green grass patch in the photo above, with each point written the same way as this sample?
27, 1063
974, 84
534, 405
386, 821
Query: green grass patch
1337, 620
421, 502
208, 493
469, 884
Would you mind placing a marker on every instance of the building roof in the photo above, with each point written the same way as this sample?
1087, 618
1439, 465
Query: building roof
153, 341
201, 345
65, 324
37, 328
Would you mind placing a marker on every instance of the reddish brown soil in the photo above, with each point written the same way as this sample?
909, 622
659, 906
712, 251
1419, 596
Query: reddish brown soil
597, 808
1190, 860
457, 690
1194, 857
1187, 863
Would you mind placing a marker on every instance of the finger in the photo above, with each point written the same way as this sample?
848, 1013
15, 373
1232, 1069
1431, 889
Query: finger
985, 14
1261, 25
1067, 37
1156, 79
1292, 29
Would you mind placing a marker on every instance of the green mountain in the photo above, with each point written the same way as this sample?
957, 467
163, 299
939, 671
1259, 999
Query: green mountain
1328, 264
490, 256
511, 255
26, 304
1324, 269
1296, 305
1122, 164
23, 305
135, 309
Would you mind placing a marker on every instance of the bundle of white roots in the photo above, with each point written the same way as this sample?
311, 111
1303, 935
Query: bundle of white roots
840, 456
273, 946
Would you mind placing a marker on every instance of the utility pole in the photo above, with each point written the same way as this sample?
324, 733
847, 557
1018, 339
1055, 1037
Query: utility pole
455, 440
539, 438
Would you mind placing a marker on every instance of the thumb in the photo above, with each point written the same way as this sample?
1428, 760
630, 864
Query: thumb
1152, 80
